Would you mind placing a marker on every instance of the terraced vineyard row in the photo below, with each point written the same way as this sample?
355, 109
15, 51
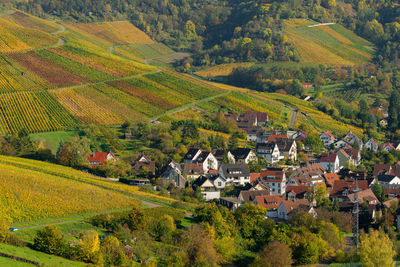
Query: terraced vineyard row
32, 111
28, 194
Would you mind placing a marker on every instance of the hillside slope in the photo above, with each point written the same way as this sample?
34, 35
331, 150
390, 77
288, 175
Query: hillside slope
327, 43
33, 189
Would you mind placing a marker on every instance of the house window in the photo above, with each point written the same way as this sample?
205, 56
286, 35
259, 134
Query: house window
273, 184
273, 189
219, 184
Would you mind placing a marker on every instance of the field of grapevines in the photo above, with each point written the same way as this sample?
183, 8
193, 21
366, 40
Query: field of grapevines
32, 111
26, 20
28, 194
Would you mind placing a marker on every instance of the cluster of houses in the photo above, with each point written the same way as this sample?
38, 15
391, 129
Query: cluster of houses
280, 190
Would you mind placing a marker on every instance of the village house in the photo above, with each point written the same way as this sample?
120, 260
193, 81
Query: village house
253, 132
330, 162
387, 147
307, 85
144, 163
297, 192
372, 145
275, 179
204, 158
208, 189
353, 140
172, 173
237, 174
243, 155
270, 152
327, 138
298, 136
245, 196
387, 169
99, 158
270, 203
288, 206
193, 171
308, 175
330, 179
342, 188
388, 181
254, 118
287, 148
231, 203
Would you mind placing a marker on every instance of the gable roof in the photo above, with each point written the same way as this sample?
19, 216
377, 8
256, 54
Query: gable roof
329, 134
254, 176
386, 178
297, 189
191, 154
285, 145
269, 202
331, 178
193, 168
341, 185
328, 157
291, 205
364, 195
235, 170
272, 175
250, 195
276, 137
241, 153
100, 157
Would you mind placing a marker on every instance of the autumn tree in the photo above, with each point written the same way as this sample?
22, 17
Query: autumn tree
113, 254
88, 246
376, 250
49, 240
135, 220
75, 152
199, 247
275, 254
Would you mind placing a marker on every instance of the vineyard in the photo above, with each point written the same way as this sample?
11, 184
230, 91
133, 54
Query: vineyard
118, 32
330, 44
32, 111
28, 194
15, 38
25, 182
28, 21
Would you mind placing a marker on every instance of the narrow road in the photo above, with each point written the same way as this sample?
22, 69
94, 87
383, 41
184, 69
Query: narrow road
321, 24
294, 117
181, 108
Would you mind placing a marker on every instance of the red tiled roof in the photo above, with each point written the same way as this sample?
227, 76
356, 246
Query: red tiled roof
328, 157
269, 202
341, 185
98, 158
330, 178
275, 137
278, 174
292, 205
365, 195
388, 203
213, 171
297, 189
389, 144
329, 134
254, 176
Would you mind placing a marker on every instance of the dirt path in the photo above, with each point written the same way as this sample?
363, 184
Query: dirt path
294, 117
321, 24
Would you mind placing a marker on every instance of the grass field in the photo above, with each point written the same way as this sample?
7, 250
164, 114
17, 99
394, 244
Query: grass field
51, 140
328, 44
42, 258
